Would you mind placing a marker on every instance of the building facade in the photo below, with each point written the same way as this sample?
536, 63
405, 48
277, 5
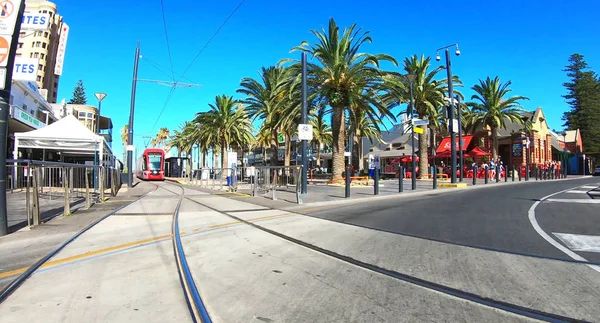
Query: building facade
48, 46
28, 111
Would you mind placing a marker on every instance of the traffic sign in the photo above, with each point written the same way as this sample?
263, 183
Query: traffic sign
8, 17
2, 77
305, 131
420, 122
130, 147
4, 49
25, 69
35, 21
418, 130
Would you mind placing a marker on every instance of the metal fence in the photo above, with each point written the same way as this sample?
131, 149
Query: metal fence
255, 181
37, 190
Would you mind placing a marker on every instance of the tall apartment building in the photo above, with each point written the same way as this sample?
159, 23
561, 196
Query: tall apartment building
49, 46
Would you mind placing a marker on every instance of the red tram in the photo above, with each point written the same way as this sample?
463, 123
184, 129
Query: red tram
151, 165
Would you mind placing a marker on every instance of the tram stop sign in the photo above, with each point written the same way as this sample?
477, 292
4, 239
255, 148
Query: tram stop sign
305, 132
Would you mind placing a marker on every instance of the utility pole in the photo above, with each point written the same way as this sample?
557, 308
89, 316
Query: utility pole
13, 36
131, 117
304, 121
132, 108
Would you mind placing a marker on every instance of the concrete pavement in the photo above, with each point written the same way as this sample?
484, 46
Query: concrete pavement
123, 269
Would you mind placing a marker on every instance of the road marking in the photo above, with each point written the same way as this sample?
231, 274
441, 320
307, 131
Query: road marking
588, 187
580, 242
582, 201
543, 234
93, 253
576, 192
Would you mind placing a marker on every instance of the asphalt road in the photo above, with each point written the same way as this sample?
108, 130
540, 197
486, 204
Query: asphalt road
492, 218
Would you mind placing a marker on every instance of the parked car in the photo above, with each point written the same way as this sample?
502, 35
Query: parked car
597, 171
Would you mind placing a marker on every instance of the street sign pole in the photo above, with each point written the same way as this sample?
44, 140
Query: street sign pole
13, 34
131, 115
304, 121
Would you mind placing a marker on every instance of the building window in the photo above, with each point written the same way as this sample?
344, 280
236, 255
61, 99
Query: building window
42, 55
32, 44
90, 115
55, 84
22, 34
35, 55
24, 106
46, 34
45, 11
18, 54
39, 78
82, 114
30, 55
38, 43
12, 98
20, 45
43, 45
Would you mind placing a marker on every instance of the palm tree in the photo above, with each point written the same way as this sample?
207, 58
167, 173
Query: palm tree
363, 126
229, 122
491, 109
428, 95
343, 76
161, 138
265, 99
321, 132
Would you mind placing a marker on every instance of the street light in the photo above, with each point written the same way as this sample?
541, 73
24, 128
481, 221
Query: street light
451, 110
100, 96
409, 112
565, 159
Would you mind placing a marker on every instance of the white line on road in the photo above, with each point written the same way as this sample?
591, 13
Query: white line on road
582, 201
588, 187
576, 192
543, 234
580, 242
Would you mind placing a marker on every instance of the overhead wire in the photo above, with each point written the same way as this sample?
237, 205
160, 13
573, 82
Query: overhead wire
162, 68
162, 8
194, 60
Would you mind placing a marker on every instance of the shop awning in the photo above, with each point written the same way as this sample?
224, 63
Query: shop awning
445, 144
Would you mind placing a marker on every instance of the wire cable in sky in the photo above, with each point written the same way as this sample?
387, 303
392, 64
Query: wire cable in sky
162, 69
162, 8
210, 40
164, 106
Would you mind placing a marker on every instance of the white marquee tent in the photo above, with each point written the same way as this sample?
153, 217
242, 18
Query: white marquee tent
67, 136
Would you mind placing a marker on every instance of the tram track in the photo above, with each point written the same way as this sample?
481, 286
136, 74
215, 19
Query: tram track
523, 311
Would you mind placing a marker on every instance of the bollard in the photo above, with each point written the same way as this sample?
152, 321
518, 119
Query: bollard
101, 184
497, 174
475, 175
35, 203
512, 174
506, 175
376, 181
535, 172
348, 181
434, 172
526, 172
65, 178
401, 179
485, 171
519, 174
87, 190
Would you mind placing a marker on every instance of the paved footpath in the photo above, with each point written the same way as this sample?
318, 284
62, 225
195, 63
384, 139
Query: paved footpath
123, 269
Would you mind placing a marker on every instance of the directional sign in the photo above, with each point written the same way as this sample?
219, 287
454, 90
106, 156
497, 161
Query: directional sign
4, 49
25, 69
8, 16
305, 132
35, 21
2, 77
420, 122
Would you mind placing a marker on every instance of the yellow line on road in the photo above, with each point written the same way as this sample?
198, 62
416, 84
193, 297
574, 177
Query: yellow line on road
127, 245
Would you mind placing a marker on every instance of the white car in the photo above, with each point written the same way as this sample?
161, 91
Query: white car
597, 171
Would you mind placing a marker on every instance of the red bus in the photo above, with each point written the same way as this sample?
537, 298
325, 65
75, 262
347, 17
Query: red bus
151, 165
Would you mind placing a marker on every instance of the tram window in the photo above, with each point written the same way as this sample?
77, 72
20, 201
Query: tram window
144, 164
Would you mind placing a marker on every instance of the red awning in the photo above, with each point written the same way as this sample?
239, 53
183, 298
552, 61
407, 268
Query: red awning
445, 144
477, 152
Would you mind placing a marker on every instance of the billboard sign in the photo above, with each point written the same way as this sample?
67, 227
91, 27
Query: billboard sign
25, 69
60, 52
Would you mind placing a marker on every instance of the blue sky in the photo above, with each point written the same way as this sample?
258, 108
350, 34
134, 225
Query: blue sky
527, 43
